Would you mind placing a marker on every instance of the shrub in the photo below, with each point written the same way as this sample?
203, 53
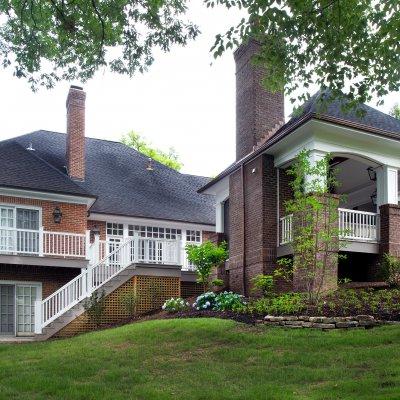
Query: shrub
205, 301
265, 283
228, 301
287, 303
217, 282
94, 306
129, 301
174, 305
390, 270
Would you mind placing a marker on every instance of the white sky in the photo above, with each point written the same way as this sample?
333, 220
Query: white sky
182, 101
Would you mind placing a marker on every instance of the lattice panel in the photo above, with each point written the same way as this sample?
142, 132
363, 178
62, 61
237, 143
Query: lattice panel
151, 292
154, 290
190, 289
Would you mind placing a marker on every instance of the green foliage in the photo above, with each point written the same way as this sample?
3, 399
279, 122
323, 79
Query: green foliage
390, 269
217, 282
95, 306
395, 111
205, 301
228, 301
46, 41
315, 220
170, 159
129, 302
284, 304
265, 283
205, 257
174, 305
332, 44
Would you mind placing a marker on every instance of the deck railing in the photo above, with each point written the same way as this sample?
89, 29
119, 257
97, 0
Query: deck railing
353, 225
134, 250
43, 243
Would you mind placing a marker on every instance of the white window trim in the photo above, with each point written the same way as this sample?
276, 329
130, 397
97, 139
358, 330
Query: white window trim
24, 207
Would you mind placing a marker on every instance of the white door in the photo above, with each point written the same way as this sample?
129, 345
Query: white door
7, 309
7, 231
25, 313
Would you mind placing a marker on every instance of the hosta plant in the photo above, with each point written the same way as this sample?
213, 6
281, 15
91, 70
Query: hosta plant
174, 305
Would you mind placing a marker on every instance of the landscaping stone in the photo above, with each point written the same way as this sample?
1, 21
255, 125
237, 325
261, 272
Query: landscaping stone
365, 318
294, 323
347, 324
317, 319
322, 325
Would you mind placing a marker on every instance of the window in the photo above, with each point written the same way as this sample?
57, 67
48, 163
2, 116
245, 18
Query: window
115, 229
27, 219
193, 236
154, 232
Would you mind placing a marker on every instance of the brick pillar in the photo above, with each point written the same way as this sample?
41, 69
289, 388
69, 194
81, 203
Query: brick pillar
256, 250
323, 279
75, 155
390, 229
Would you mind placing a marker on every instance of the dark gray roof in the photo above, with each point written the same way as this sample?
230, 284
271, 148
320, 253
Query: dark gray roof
22, 169
117, 175
322, 106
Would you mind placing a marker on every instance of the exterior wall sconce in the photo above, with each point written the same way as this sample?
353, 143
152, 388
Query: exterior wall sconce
57, 215
95, 231
371, 173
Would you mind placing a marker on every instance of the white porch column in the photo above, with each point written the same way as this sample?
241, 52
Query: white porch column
38, 316
219, 217
386, 185
314, 180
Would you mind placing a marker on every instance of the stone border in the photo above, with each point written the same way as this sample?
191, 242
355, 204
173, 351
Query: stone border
304, 321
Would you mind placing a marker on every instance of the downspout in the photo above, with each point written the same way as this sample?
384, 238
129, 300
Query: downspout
244, 233
277, 207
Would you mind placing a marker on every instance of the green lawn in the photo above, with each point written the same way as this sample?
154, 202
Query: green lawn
205, 359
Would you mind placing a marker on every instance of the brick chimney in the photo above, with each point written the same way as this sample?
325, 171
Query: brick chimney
75, 155
257, 110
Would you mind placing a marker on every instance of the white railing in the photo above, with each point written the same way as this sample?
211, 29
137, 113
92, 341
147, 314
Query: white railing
135, 250
358, 225
286, 229
64, 244
43, 243
353, 225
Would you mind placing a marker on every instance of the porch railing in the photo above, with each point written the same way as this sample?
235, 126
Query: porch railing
353, 225
43, 243
96, 275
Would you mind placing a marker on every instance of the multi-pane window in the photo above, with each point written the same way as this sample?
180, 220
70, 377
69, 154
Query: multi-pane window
154, 232
193, 236
27, 219
115, 229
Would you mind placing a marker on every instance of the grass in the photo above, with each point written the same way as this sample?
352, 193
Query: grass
205, 359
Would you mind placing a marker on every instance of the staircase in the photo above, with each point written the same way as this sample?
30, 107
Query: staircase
63, 306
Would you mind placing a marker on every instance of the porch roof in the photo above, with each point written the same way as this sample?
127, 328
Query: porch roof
322, 108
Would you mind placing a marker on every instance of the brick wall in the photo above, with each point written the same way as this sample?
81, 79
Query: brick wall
101, 226
52, 278
257, 110
285, 191
390, 229
73, 215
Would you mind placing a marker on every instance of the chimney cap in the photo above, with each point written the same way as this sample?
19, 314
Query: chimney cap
76, 87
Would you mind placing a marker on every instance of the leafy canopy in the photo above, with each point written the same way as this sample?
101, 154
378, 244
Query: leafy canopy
170, 159
45, 41
395, 111
351, 45
205, 257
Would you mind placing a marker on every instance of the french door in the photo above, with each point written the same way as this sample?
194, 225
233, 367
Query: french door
17, 308
19, 230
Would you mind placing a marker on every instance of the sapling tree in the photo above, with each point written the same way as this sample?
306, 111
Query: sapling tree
205, 257
315, 223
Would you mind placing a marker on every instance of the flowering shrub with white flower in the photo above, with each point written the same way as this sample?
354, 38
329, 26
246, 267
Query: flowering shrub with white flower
173, 305
205, 301
228, 301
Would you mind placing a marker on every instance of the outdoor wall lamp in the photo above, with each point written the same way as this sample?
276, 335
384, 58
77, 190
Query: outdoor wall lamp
57, 215
371, 173
373, 198
95, 231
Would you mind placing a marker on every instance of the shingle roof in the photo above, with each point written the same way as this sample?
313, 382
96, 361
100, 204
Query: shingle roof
117, 175
321, 106
23, 169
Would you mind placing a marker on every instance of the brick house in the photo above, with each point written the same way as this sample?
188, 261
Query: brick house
250, 194
80, 214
